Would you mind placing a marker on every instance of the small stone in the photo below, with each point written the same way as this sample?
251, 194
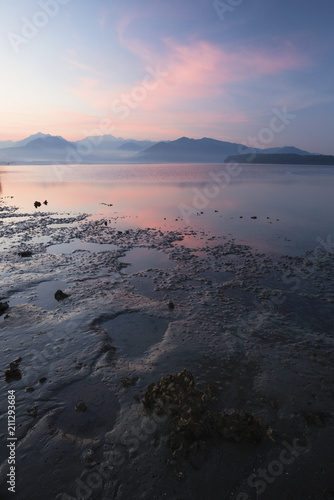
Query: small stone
81, 406
171, 305
26, 253
271, 434
42, 380
128, 382
60, 295
32, 412
30, 389
89, 455
315, 419
13, 373
3, 307
45, 202
37, 204
273, 404
254, 217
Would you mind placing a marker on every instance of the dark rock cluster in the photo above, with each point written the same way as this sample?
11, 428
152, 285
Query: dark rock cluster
13, 372
193, 422
60, 295
3, 307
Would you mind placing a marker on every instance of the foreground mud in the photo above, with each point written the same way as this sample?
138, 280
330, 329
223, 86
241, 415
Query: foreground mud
255, 330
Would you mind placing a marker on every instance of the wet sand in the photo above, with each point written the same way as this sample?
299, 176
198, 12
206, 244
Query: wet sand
257, 326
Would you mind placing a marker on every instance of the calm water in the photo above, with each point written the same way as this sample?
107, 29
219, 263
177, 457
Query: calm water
293, 205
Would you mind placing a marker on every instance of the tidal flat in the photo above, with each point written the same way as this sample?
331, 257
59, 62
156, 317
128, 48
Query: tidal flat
246, 307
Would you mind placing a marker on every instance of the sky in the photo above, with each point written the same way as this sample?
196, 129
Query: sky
256, 72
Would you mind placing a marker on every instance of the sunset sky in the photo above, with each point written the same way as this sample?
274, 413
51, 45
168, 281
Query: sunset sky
166, 69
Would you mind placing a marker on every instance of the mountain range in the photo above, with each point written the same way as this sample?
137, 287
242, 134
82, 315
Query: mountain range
45, 149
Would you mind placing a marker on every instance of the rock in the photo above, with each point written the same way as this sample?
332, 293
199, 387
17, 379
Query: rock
315, 419
254, 217
26, 253
273, 404
29, 389
271, 434
3, 307
59, 295
13, 373
240, 426
81, 406
45, 202
32, 411
37, 204
128, 382
89, 456
171, 305
192, 421
42, 380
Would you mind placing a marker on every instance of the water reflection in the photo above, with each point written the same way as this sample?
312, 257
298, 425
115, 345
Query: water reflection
272, 207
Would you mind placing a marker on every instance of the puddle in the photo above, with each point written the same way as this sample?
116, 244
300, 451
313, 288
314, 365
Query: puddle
45, 295
78, 245
145, 286
40, 239
100, 416
134, 333
61, 224
218, 276
142, 258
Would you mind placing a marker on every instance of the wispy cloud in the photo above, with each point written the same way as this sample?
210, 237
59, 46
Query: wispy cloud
77, 64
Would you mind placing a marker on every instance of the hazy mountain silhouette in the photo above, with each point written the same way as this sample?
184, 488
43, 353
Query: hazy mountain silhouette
45, 148
284, 150
189, 150
23, 142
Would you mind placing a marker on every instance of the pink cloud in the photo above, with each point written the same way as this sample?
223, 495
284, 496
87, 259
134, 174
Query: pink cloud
197, 73
205, 70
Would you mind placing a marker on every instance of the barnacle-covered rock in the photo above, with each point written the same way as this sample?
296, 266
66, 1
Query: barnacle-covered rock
192, 422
